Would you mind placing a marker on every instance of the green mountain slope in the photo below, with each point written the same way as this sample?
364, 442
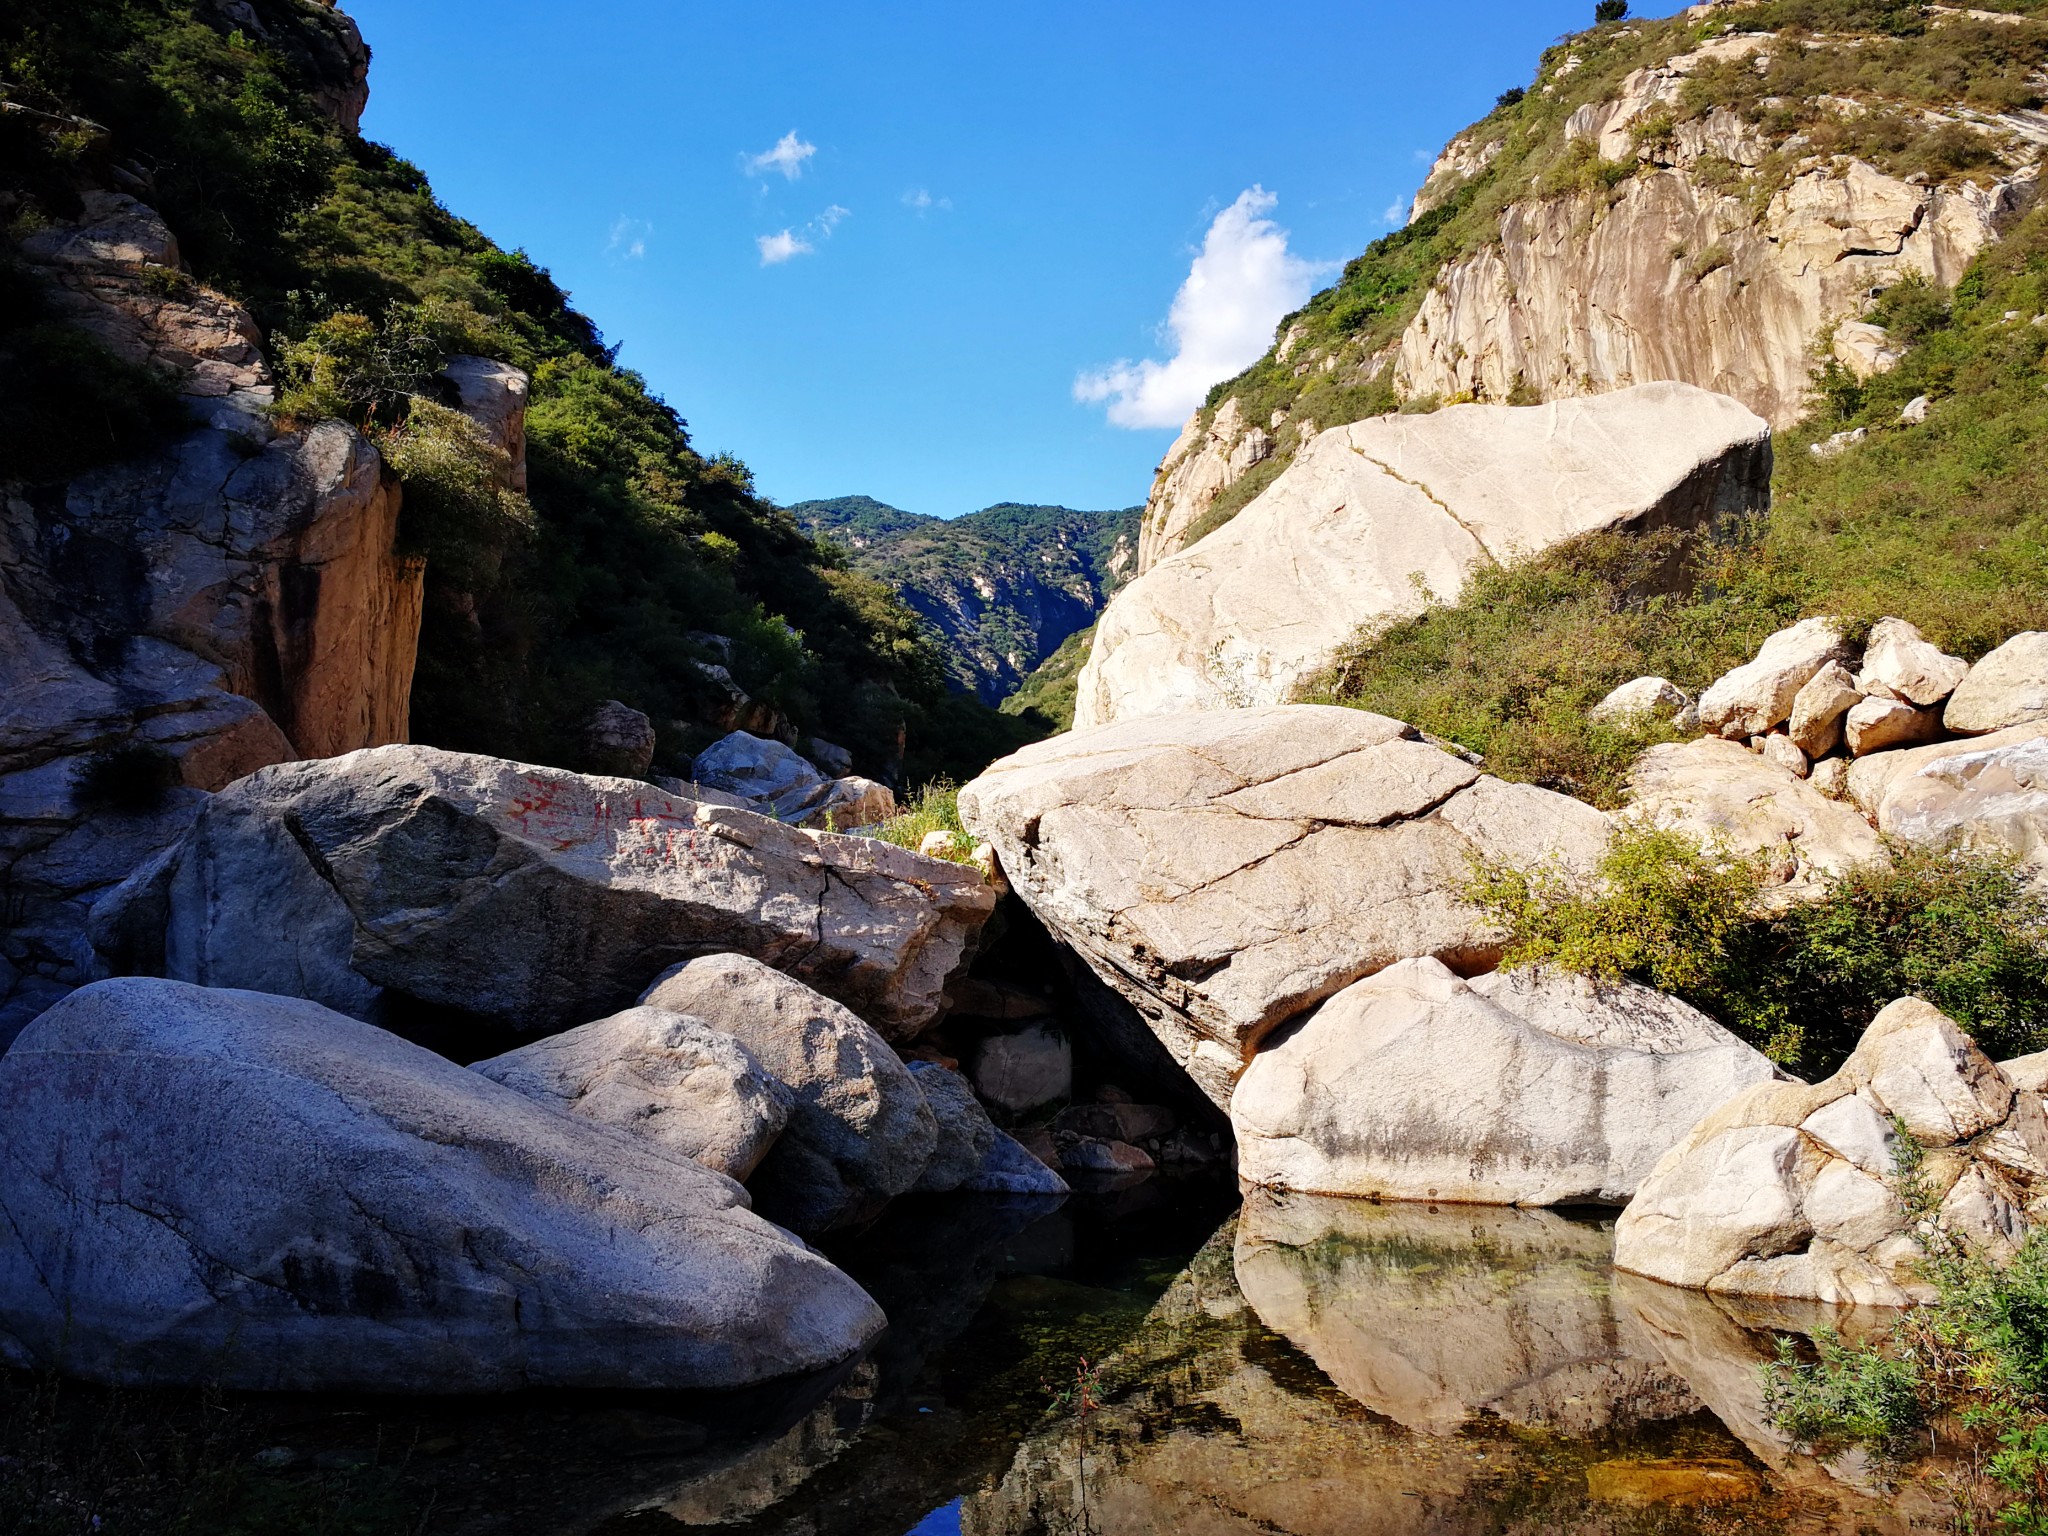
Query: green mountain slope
231, 118
1003, 588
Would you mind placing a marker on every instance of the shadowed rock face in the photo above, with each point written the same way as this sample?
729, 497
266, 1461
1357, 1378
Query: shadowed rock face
1225, 871
535, 899
259, 1192
1372, 519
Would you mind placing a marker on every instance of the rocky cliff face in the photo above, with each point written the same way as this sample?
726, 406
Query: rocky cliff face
1650, 211
170, 623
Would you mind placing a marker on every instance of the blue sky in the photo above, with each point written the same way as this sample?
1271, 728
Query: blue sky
902, 249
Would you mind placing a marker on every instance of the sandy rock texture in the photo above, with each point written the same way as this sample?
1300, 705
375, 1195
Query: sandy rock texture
1224, 871
257, 1192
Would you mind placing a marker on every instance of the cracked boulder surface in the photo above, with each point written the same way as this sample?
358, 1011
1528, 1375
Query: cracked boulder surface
1225, 872
255, 1192
860, 1131
1372, 520
530, 899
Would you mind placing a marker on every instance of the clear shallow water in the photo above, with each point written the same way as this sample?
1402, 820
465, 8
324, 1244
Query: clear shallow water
1299, 1367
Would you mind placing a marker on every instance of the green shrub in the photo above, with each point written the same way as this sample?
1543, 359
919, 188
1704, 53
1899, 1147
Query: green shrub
456, 514
934, 808
1977, 1356
1965, 931
1609, 10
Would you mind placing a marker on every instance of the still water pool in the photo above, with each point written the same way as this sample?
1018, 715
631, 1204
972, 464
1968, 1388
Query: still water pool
1163, 1360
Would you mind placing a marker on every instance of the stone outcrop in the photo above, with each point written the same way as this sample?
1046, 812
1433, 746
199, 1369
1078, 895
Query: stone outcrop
1719, 791
1671, 276
777, 781
1372, 519
1520, 1088
1204, 461
255, 1192
528, 897
232, 601
1788, 1190
1713, 250
493, 395
2008, 687
666, 1077
1223, 872
860, 1132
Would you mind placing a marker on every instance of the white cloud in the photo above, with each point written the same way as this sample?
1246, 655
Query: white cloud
1396, 214
1222, 319
921, 200
629, 238
828, 221
788, 156
780, 247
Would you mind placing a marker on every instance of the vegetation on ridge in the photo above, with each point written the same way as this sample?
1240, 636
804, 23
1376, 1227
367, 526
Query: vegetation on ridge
633, 544
1893, 59
1968, 932
1944, 523
1001, 588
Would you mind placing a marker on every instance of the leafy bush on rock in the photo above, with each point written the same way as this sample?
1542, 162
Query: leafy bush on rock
1965, 931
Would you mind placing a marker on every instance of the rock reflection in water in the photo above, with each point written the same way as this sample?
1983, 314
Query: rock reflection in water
1433, 1314
1327, 1367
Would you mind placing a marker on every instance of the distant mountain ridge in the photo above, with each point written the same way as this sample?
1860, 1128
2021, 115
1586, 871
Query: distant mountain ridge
1002, 588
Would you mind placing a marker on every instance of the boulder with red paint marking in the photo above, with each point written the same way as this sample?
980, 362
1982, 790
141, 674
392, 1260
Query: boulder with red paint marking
530, 897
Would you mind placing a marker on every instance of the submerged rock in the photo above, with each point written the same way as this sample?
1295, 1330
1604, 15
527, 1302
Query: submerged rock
258, 1192
536, 899
1521, 1088
1224, 872
860, 1132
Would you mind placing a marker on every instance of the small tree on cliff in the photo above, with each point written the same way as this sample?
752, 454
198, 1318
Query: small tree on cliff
1609, 10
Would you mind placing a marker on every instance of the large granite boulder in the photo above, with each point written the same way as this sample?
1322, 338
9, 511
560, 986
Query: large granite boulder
860, 1132
533, 898
665, 1077
1372, 518
1720, 792
1790, 1191
1988, 793
1521, 1088
257, 1192
2007, 687
1225, 871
